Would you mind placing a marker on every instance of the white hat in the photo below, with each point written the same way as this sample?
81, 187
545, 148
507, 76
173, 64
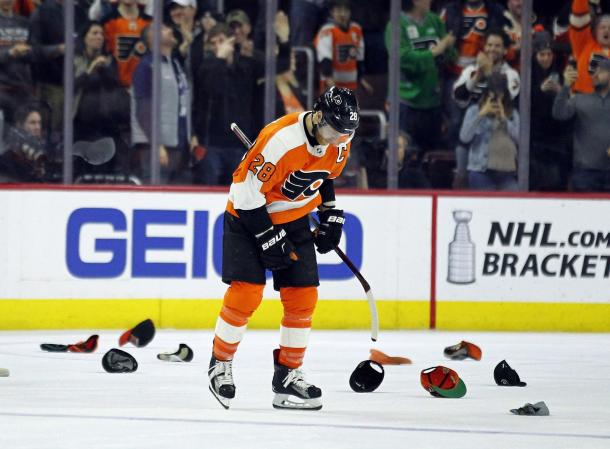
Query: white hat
185, 3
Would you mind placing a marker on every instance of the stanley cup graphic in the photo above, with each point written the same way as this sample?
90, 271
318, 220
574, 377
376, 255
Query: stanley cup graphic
461, 267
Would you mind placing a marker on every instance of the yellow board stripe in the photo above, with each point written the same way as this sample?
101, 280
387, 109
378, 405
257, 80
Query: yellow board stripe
522, 316
330, 314
197, 314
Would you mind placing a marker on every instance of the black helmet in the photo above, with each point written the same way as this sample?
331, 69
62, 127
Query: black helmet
339, 108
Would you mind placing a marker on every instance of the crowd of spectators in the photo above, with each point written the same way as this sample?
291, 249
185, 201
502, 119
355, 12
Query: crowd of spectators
459, 88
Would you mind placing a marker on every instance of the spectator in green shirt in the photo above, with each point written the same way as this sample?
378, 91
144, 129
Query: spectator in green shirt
424, 47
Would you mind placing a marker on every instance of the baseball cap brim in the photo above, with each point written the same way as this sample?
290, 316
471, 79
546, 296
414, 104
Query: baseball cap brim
124, 338
456, 392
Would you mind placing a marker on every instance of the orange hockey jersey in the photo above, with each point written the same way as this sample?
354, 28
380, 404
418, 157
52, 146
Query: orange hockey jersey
284, 172
344, 49
122, 35
472, 41
584, 46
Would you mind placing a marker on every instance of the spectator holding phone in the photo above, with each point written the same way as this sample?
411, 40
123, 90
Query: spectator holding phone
491, 133
591, 128
549, 158
590, 41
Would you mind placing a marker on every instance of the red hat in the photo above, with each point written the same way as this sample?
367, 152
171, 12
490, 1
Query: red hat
441, 381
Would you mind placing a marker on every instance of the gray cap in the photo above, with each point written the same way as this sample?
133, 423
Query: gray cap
542, 40
537, 409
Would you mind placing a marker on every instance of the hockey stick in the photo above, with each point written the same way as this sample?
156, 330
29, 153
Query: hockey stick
365, 285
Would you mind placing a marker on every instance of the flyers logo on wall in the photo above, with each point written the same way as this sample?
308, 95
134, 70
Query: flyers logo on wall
525, 249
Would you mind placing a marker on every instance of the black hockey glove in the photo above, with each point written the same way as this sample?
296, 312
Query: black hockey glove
328, 235
276, 251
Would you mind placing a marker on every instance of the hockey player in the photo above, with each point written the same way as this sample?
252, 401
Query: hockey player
287, 173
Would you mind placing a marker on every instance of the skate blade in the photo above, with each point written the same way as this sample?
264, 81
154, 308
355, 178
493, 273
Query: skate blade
226, 403
285, 401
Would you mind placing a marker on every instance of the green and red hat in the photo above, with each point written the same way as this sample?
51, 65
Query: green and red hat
442, 382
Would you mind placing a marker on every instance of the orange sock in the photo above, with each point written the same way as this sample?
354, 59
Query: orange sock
240, 302
299, 304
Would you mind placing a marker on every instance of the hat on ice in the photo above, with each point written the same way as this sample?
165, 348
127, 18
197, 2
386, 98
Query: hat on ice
505, 376
463, 350
367, 376
183, 354
384, 359
442, 382
89, 345
140, 335
537, 409
118, 361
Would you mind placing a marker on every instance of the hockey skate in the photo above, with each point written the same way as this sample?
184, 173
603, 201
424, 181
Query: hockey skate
292, 390
221, 381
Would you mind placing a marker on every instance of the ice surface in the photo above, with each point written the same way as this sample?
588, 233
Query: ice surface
67, 401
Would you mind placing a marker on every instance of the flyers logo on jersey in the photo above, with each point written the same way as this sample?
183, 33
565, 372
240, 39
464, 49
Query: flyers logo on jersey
303, 184
125, 46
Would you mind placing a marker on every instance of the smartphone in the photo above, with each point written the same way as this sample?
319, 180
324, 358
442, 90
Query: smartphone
554, 77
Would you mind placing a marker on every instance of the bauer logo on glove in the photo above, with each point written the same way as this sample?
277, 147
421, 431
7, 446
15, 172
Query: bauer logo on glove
276, 251
273, 240
328, 234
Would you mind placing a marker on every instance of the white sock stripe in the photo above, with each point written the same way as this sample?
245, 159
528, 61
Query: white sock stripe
229, 333
294, 337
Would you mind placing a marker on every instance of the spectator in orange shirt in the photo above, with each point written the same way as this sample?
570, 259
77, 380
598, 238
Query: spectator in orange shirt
122, 29
590, 43
340, 49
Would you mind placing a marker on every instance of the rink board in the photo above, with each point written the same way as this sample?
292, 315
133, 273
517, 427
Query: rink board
105, 258
539, 263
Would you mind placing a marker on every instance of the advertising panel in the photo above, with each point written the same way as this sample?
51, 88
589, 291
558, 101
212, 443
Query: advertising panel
523, 250
168, 245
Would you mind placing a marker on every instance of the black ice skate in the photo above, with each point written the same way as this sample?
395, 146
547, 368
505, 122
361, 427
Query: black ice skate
291, 390
221, 381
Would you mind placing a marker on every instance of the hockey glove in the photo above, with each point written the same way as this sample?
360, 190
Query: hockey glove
276, 251
328, 235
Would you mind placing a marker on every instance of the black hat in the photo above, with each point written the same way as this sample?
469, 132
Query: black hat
117, 361
542, 40
367, 376
140, 335
506, 376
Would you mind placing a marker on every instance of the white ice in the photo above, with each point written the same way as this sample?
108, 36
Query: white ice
67, 401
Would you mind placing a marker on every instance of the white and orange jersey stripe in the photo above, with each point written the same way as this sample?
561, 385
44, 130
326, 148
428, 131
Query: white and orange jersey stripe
283, 172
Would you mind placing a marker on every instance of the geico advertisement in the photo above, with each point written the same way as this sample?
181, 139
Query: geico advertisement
507, 249
110, 244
